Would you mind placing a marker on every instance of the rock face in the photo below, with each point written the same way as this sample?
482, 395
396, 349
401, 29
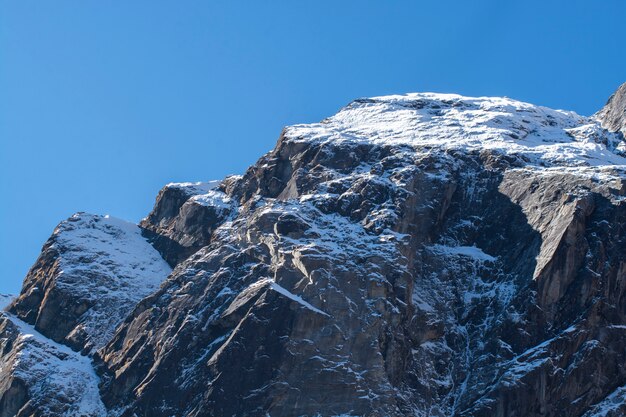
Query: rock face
613, 115
416, 255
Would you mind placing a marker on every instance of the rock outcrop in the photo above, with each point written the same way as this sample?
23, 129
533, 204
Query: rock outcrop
613, 115
416, 255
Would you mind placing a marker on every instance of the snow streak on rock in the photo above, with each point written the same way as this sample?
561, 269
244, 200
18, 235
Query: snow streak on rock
60, 382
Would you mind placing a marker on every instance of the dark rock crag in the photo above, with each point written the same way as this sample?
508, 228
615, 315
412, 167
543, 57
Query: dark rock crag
418, 255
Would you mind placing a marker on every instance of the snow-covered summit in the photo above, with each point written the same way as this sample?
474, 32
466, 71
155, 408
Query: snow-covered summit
539, 135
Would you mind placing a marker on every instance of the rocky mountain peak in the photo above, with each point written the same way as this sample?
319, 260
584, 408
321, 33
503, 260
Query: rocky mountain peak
613, 114
413, 255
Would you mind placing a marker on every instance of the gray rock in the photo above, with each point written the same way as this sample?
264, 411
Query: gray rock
613, 115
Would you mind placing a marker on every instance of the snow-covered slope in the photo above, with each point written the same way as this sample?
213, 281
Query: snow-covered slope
59, 381
102, 267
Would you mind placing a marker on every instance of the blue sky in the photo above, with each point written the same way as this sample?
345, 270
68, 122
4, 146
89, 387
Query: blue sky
102, 103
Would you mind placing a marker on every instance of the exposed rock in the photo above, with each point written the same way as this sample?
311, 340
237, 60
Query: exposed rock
613, 115
184, 217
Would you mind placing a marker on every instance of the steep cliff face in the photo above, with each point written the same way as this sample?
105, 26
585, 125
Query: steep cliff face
613, 115
423, 255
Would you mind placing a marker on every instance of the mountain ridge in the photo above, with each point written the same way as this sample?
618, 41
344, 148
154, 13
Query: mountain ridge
419, 255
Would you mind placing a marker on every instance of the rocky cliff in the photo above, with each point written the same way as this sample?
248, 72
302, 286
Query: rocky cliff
414, 255
613, 115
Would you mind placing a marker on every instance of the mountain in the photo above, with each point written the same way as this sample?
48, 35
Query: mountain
412, 255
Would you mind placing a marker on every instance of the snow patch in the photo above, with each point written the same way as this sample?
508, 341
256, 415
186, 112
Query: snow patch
469, 251
269, 282
108, 262
216, 199
295, 298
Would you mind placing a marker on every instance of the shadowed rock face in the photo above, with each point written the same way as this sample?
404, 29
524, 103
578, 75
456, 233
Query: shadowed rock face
422, 255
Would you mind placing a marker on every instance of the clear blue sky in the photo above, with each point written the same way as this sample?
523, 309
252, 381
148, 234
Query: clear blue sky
103, 102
